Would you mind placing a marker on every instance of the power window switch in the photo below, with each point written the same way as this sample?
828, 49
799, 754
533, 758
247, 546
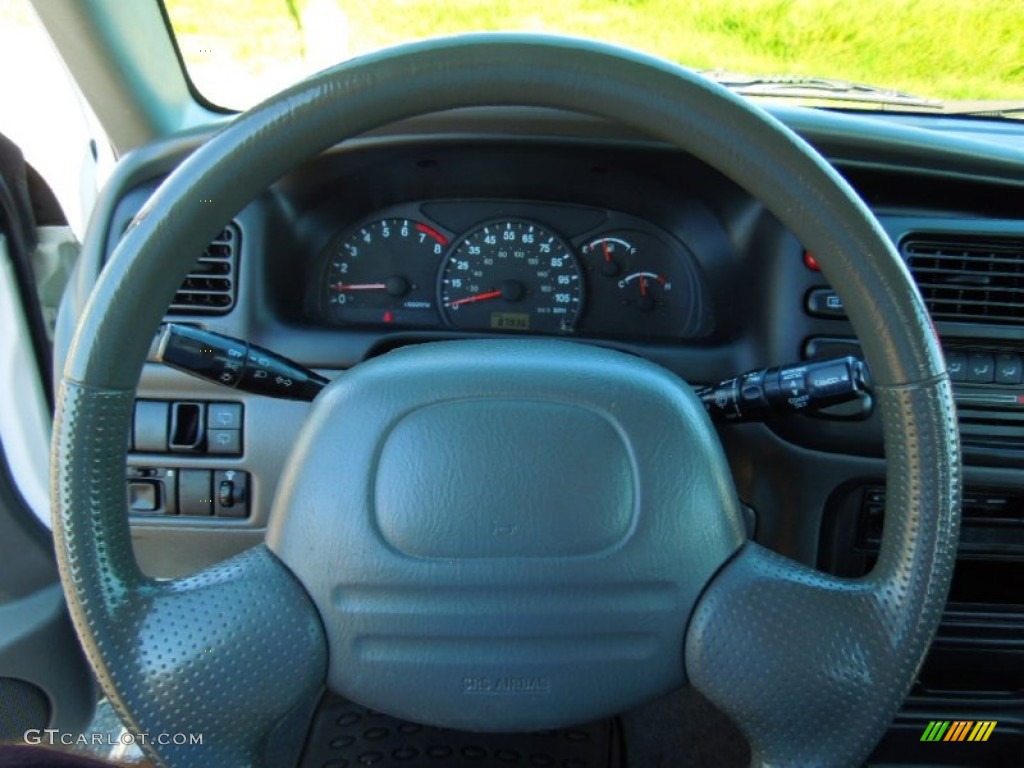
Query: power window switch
231, 493
195, 492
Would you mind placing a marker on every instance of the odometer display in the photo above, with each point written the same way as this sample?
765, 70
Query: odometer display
513, 276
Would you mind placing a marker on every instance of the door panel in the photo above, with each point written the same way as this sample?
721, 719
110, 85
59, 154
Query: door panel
45, 681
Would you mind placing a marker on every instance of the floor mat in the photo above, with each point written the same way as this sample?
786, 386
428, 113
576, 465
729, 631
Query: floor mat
346, 735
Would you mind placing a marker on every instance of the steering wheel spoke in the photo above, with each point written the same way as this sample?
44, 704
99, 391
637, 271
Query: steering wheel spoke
219, 656
768, 626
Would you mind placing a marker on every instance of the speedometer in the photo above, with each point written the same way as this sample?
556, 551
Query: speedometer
511, 275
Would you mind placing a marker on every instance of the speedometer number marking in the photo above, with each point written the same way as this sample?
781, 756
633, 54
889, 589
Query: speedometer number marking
511, 275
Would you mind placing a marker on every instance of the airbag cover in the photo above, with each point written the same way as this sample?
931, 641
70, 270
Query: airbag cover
550, 479
505, 535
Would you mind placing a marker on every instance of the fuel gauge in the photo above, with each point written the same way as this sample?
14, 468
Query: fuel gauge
608, 255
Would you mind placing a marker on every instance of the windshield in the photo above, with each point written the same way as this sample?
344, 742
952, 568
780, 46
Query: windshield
918, 54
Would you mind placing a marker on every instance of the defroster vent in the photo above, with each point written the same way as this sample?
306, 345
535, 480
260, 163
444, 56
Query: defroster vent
211, 285
969, 279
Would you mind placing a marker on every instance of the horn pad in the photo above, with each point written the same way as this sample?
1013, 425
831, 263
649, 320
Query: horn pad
506, 535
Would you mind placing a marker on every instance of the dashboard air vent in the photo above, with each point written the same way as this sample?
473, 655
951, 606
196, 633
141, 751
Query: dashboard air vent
991, 427
969, 279
210, 287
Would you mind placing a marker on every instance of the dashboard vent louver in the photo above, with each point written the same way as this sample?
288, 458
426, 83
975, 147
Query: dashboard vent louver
210, 287
991, 427
969, 279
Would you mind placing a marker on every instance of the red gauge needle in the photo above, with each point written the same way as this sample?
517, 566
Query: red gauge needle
643, 285
478, 297
361, 287
607, 253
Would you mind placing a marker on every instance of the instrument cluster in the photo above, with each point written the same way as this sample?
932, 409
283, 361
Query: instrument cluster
501, 267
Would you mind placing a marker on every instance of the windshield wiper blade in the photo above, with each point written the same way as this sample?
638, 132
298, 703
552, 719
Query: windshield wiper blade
819, 88
1011, 110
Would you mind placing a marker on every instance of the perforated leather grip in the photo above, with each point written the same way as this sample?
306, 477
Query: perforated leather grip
813, 667
221, 655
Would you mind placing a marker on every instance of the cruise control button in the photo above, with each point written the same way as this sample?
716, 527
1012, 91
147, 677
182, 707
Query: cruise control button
824, 302
956, 364
981, 368
1008, 369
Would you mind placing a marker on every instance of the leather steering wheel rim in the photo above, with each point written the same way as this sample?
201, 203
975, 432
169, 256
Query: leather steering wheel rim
812, 668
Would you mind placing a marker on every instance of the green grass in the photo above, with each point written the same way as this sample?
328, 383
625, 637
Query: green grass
951, 49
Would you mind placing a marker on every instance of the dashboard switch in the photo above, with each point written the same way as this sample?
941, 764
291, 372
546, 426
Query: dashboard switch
194, 492
143, 497
151, 420
981, 368
824, 302
224, 416
224, 442
956, 364
152, 490
825, 347
1008, 369
232, 487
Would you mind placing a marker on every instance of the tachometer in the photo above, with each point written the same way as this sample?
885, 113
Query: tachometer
511, 275
383, 272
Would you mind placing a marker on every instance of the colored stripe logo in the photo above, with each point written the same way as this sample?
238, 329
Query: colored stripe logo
959, 730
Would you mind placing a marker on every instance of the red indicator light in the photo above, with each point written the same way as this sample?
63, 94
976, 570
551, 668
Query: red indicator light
431, 232
1020, 399
810, 262
388, 317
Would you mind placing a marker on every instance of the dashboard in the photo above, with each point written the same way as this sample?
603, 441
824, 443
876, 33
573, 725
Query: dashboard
495, 223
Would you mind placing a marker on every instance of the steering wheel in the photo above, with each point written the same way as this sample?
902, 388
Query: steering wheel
442, 548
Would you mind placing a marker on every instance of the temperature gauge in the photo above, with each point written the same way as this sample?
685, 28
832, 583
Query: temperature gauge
645, 291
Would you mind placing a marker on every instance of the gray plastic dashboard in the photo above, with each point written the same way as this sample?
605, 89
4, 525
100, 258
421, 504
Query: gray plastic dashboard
934, 175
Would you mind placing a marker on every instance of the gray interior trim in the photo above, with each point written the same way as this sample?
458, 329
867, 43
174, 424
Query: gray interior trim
124, 62
38, 644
